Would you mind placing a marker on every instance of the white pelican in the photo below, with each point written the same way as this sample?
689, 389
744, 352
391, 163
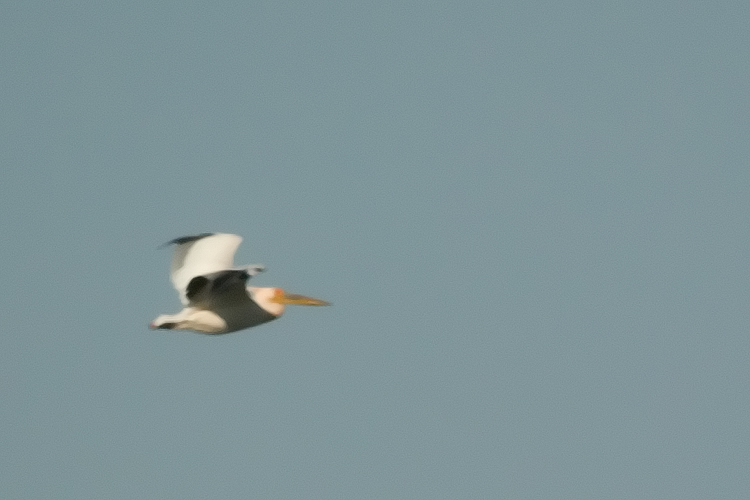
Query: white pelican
213, 290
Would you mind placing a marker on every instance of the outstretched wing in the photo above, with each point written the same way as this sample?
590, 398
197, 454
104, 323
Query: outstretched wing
219, 289
201, 255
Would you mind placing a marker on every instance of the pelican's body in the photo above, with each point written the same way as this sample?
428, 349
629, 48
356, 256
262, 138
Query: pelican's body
214, 291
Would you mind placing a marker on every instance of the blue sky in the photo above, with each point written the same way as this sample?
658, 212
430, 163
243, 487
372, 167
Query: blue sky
531, 217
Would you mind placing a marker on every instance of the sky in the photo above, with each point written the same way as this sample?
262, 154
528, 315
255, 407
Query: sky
531, 219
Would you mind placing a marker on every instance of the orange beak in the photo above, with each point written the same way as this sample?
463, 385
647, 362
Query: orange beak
299, 300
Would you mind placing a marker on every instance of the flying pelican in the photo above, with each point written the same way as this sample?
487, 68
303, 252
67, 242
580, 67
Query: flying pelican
214, 291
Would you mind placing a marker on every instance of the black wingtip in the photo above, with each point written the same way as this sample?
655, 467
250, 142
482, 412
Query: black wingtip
195, 286
186, 239
226, 279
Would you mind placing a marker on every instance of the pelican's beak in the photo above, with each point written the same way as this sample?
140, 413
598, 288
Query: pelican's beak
299, 300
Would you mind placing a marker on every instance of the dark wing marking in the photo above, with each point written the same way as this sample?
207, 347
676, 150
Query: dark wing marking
201, 288
186, 239
195, 286
229, 280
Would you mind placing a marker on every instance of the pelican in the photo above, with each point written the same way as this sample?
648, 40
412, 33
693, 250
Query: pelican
214, 291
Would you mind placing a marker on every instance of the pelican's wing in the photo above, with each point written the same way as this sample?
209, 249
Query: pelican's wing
201, 255
219, 289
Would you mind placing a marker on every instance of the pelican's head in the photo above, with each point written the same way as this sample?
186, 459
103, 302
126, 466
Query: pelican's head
274, 300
